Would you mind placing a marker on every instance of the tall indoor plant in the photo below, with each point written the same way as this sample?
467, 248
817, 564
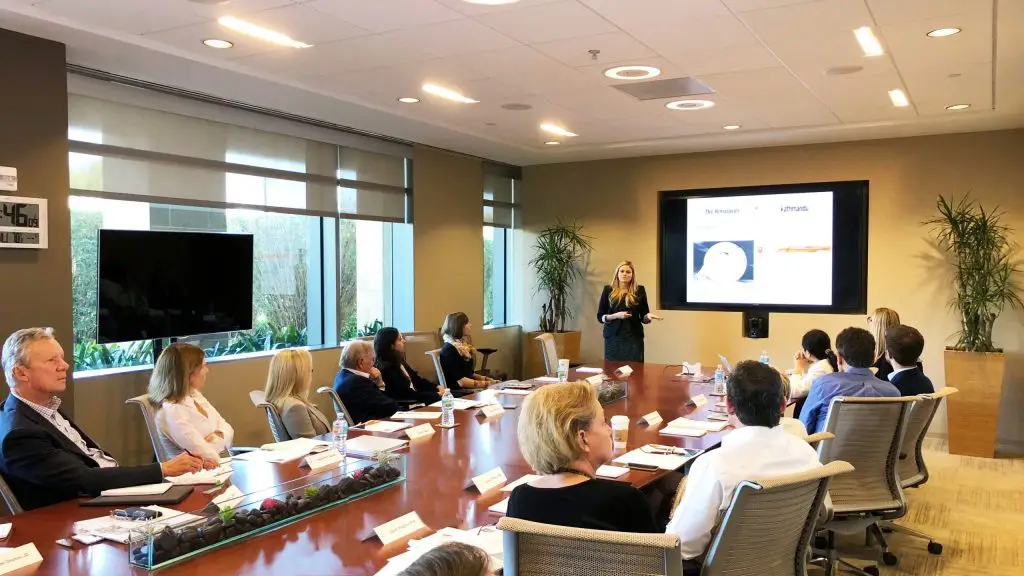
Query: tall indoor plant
559, 261
979, 249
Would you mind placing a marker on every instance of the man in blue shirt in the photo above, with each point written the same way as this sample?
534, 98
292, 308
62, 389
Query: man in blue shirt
855, 349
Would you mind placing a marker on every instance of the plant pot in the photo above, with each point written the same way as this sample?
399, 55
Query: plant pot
567, 344
973, 413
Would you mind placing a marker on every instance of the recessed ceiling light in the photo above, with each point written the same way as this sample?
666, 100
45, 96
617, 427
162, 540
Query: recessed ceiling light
943, 32
632, 72
216, 43
689, 104
555, 129
898, 98
731, 127
868, 41
408, 100
552, 143
448, 94
958, 106
260, 32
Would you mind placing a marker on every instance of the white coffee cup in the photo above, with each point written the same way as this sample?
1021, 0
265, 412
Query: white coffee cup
620, 431
563, 369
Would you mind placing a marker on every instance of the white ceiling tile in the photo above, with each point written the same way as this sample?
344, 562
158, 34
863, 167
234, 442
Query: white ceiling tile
932, 87
910, 44
387, 15
614, 47
726, 59
748, 5
190, 38
773, 95
831, 15
602, 102
305, 24
330, 58
470, 9
548, 22
454, 38
230, 8
1009, 27
1010, 86
131, 16
901, 11
672, 10
401, 79
596, 71
526, 68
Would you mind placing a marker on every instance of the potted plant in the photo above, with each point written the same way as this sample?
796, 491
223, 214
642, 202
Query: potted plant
977, 246
559, 259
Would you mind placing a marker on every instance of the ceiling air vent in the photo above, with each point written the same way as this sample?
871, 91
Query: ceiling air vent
667, 88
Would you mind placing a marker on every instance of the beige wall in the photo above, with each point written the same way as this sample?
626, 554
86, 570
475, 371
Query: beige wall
618, 203
35, 289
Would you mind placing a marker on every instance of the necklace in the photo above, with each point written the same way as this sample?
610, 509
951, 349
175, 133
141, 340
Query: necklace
574, 471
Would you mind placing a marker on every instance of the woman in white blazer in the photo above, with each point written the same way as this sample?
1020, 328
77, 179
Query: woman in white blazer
288, 384
186, 419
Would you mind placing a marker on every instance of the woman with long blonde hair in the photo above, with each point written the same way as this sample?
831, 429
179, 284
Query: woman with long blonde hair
288, 382
623, 310
881, 320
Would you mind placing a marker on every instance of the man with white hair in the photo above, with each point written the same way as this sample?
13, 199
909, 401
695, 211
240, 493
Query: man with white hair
44, 457
359, 384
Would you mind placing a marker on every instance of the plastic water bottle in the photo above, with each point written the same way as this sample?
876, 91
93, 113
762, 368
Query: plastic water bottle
339, 434
719, 381
764, 357
447, 409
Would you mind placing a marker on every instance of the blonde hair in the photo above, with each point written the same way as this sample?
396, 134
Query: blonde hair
174, 367
15, 351
617, 292
290, 375
881, 320
352, 352
550, 424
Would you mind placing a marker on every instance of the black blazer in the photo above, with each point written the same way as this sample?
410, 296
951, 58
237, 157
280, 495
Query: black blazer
455, 367
912, 382
415, 389
362, 397
632, 325
885, 368
43, 467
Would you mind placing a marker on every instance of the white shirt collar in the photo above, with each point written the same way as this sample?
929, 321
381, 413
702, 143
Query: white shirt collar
358, 373
898, 370
746, 434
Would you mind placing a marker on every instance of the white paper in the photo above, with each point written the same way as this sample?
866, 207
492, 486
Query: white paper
685, 432
523, 480
229, 498
697, 424
420, 431
489, 480
307, 444
431, 415
219, 473
367, 445
625, 370
500, 507
663, 461
596, 379
398, 528
699, 400
515, 392
144, 490
720, 405
516, 384
492, 410
546, 379
460, 404
8, 179
609, 471
487, 538
13, 559
652, 419
589, 370
117, 529
322, 461
385, 426
690, 369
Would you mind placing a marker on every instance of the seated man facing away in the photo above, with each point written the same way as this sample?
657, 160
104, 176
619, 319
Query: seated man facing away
359, 384
44, 457
760, 448
855, 349
903, 347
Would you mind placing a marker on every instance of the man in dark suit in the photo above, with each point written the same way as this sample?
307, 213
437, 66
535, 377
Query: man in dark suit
44, 457
903, 347
359, 385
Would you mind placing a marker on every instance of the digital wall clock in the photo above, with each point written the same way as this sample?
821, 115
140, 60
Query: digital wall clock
22, 222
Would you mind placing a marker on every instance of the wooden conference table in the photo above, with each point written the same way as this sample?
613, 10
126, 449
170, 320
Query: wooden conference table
340, 541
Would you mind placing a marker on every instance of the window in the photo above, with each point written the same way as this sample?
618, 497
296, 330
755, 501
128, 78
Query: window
332, 245
500, 213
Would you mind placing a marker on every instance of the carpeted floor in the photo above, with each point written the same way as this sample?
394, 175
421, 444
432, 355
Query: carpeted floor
974, 507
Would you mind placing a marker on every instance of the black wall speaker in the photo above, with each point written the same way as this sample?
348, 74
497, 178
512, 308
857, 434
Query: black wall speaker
755, 324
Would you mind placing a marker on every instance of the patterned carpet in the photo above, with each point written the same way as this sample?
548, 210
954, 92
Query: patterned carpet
974, 507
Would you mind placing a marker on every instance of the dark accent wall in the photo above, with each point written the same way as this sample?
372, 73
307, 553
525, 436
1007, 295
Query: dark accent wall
35, 285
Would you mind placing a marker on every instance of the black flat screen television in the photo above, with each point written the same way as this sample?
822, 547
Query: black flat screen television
173, 284
780, 248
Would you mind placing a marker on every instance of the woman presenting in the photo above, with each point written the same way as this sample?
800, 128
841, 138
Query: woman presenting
624, 310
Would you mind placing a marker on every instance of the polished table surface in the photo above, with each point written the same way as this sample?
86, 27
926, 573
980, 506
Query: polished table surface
340, 541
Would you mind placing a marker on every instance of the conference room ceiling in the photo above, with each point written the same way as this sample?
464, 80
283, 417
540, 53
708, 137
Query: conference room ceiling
765, 60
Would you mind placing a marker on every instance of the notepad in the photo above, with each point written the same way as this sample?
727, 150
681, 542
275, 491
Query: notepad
385, 426
589, 370
546, 379
203, 477
662, 461
144, 490
500, 507
697, 424
415, 415
686, 432
459, 404
369, 445
117, 529
609, 471
299, 444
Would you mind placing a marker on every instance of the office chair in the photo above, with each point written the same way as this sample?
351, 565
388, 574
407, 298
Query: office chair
13, 506
149, 415
435, 355
274, 421
534, 549
550, 351
339, 406
868, 434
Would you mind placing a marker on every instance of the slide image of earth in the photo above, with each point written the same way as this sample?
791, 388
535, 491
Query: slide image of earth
724, 261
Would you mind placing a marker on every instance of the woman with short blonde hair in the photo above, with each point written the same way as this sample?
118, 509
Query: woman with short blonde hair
623, 309
288, 383
563, 435
186, 419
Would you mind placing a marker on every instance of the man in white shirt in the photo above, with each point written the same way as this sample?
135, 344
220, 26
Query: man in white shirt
760, 448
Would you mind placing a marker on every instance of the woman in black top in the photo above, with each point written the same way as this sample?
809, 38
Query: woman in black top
624, 310
401, 382
563, 435
458, 357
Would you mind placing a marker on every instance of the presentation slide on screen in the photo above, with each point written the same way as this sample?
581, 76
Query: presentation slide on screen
762, 249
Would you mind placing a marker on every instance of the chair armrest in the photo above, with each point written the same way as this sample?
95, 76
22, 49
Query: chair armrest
486, 351
816, 438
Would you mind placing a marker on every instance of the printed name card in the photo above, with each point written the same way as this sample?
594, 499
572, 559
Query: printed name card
489, 480
14, 559
625, 370
323, 460
399, 528
699, 400
595, 380
420, 431
491, 410
651, 419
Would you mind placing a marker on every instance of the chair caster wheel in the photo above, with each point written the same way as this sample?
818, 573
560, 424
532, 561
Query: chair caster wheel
934, 548
873, 570
889, 558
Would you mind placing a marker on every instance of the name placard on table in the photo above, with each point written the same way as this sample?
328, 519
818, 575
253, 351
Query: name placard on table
323, 460
699, 400
14, 559
420, 431
399, 528
489, 480
651, 419
491, 410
